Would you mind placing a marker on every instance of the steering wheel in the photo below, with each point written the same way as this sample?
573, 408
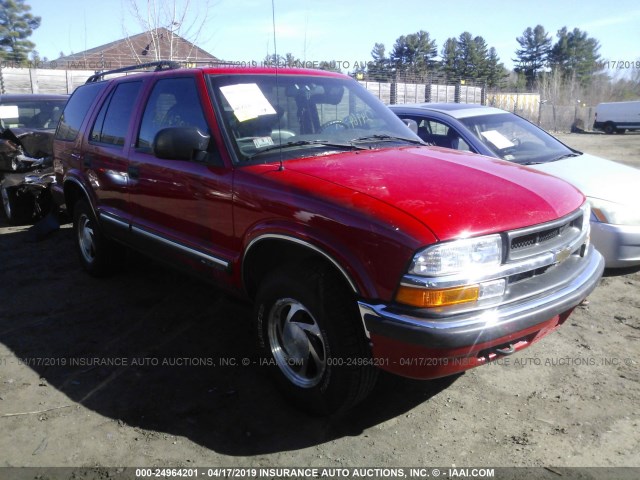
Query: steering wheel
334, 124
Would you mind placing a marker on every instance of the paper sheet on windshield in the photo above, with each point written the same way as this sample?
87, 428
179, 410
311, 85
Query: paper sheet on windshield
247, 101
499, 140
8, 111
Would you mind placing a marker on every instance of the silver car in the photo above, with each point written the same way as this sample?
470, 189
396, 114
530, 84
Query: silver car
613, 189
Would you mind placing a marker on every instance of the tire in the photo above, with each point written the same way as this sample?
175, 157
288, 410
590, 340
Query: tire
609, 128
98, 254
311, 338
17, 208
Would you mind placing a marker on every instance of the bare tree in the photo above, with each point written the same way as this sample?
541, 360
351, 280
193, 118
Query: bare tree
164, 21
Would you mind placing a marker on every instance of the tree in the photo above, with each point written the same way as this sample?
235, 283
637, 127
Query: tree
379, 69
450, 58
470, 56
481, 60
414, 55
575, 55
172, 18
535, 45
16, 26
496, 73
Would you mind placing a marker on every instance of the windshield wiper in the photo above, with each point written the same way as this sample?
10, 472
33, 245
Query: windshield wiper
566, 155
386, 138
539, 162
302, 143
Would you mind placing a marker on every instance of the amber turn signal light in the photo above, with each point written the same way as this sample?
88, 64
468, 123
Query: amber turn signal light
423, 298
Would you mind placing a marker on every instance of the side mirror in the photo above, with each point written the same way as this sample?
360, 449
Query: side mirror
412, 124
181, 143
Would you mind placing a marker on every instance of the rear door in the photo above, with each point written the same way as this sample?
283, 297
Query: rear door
105, 156
181, 209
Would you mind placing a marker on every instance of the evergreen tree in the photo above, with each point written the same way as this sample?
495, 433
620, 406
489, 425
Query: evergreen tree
496, 73
575, 55
414, 55
379, 69
535, 45
466, 56
449, 59
481, 58
16, 26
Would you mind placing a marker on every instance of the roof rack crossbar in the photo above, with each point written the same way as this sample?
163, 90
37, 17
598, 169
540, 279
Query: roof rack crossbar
160, 65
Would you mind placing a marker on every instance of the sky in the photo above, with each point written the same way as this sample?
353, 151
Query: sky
338, 30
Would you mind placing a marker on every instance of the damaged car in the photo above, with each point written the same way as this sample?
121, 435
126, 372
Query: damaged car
27, 125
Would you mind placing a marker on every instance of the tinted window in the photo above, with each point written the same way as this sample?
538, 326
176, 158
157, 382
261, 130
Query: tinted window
174, 102
76, 109
113, 119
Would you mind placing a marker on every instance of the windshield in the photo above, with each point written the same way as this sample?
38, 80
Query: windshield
514, 139
39, 114
269, 118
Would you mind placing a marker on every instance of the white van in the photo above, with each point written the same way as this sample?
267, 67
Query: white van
617, 117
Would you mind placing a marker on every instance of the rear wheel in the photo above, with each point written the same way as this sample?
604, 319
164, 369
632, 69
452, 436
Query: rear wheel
17, 208
98, 254
310, 334
609, 128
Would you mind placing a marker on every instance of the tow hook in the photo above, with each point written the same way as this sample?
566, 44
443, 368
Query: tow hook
506, 351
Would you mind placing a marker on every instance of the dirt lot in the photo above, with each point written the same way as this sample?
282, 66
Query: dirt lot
621, 148
570, 400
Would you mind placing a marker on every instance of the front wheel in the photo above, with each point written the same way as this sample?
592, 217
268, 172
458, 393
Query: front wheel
310, 334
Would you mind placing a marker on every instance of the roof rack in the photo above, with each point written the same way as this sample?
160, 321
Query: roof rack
160, 65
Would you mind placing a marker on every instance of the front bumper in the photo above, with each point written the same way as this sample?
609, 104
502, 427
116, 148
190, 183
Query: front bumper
618, 244
429, 348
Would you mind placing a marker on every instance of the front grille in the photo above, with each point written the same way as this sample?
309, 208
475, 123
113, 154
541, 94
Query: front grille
528, 242
542, 236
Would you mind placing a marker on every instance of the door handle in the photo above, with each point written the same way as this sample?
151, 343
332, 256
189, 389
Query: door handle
133, 171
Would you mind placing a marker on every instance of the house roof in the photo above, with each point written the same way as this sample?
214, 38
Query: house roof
157, 44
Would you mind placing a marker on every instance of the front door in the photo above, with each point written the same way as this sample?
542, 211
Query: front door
182, 210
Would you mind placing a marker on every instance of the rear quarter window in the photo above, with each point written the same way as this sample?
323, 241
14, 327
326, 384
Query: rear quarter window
76, 110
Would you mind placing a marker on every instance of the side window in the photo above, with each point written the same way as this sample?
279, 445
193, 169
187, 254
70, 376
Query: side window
113, 119
441, 135
76, 109
437, 128
174, 102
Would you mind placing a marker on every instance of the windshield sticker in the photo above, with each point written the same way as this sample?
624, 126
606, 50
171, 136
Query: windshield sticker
263, 142
247, 101
500, 141
9, 111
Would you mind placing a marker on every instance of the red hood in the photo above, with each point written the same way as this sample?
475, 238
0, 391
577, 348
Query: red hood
452, 193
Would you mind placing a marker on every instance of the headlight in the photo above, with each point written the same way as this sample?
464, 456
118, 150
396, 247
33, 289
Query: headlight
614, 213
468, 256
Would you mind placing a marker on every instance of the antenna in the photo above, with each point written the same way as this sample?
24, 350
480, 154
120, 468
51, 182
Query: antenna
275, 53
